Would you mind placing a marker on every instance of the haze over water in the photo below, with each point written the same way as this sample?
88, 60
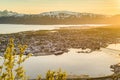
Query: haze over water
13, 28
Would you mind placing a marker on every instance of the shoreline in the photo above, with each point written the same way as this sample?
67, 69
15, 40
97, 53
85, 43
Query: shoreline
60, 40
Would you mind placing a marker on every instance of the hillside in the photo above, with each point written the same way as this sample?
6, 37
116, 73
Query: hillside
57, 17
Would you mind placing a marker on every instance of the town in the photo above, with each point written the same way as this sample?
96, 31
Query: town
59, 41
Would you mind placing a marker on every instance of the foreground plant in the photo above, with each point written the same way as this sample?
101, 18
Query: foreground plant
14, 57
38, 77
10, 62
55, 75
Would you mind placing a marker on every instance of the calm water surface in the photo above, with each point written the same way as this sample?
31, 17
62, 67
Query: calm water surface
94, 64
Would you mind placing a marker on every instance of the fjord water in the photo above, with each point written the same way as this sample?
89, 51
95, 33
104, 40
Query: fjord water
13, 28
94, 64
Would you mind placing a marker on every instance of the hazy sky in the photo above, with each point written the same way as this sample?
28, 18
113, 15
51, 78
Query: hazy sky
38, 6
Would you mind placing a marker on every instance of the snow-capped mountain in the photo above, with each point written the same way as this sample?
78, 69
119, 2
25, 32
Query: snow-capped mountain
56, 13
7, 13
66, 14
56, 17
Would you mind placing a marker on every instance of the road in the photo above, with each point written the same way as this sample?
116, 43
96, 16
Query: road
111, 51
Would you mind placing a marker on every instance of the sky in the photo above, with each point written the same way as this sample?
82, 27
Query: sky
109, 7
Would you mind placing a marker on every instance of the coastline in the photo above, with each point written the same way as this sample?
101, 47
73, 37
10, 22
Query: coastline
58, 41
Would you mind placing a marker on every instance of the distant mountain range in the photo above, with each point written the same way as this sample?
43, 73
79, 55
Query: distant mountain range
57, 17
7, 13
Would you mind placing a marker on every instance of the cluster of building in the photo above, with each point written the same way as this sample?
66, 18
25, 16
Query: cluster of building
59, 41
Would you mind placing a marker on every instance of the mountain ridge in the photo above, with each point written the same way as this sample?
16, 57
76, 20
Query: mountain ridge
57, 17
12, 13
